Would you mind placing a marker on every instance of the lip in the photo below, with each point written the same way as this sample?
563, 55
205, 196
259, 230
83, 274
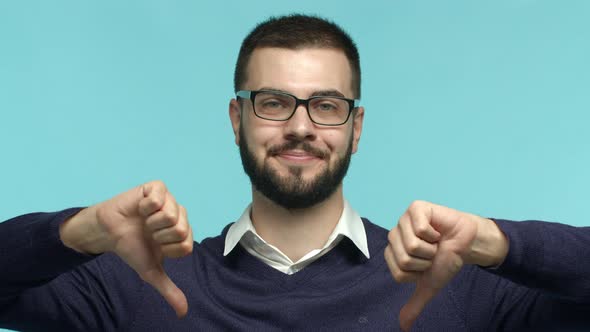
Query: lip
297, 156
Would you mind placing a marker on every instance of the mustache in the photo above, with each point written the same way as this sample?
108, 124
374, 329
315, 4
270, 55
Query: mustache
304, 146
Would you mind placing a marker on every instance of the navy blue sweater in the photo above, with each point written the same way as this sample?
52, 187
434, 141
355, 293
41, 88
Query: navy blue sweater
544, 284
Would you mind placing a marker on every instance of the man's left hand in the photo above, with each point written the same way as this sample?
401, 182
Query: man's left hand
430, 245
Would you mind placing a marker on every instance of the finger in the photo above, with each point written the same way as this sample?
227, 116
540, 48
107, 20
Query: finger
398, 274
151, 186
166, 287
175, 234
167, 216
154, 197
177, 250
403, 260
414, 245
412, 309
421, 215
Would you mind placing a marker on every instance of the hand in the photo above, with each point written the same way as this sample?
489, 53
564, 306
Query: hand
142, 226
430, 245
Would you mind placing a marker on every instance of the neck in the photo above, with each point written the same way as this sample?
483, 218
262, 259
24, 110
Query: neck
296, 232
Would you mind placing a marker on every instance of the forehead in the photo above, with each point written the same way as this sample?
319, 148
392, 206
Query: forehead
301, 71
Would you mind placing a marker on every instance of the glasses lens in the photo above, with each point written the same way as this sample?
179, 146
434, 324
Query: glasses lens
274, 106
328, 110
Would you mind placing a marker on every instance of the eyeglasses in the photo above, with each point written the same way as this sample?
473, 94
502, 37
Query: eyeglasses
280, 106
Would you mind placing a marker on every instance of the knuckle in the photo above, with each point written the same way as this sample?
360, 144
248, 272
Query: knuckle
159, 184
152, 202
418, 205
420, 230
405, 262
387, 253
399, 276
391, 235
415, 205
186, 247
404, 218
413, 247
182, 210
170, 216
182, 231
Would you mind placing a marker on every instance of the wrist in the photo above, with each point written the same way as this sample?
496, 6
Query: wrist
82, 233
490, 246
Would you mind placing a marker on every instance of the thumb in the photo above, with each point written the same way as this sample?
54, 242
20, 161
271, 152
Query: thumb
412, 309
158, 278
443, 269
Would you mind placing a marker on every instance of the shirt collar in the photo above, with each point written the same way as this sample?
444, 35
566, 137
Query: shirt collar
349, 225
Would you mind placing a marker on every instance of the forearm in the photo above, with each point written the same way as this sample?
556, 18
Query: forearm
31, 251
548, 256
44, 281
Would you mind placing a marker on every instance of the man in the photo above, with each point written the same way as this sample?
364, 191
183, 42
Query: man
299, 258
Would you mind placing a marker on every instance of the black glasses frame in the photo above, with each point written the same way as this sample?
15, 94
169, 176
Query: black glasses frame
251, 95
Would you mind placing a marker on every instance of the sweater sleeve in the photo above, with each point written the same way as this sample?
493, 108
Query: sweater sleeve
542, 285
47, 286
31, 251
550, 257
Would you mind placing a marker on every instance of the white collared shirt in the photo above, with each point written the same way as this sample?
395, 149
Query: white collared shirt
243, 232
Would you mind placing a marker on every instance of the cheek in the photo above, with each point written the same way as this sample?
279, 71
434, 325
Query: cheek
338, 141
260, 138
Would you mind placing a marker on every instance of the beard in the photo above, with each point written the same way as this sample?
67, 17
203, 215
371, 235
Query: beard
293, 191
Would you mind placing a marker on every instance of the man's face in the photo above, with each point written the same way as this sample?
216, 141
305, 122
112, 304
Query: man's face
296, 163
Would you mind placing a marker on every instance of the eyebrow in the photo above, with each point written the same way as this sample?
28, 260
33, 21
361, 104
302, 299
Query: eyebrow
318, 93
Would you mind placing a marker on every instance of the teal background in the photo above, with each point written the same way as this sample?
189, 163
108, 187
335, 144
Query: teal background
478, 105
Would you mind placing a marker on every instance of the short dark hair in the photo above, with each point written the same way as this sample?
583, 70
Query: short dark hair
298, 31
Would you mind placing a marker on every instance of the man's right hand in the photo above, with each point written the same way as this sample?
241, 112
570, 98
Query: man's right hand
142, 226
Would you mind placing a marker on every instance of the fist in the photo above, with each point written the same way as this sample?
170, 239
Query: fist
145, 225
147, 214
429, 246
142, 226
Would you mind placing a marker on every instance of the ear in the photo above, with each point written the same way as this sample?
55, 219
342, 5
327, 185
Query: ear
235, 115
357, 126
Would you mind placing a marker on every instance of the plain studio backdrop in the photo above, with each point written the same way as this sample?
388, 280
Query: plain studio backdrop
482, 106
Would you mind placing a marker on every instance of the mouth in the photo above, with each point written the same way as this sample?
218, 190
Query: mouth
298, 154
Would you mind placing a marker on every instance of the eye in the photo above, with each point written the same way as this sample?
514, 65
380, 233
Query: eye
326, 107
272, 104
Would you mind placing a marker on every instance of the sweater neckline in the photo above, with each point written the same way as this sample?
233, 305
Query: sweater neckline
339, 259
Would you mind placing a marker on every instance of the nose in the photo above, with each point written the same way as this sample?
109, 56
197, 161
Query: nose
299, 126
